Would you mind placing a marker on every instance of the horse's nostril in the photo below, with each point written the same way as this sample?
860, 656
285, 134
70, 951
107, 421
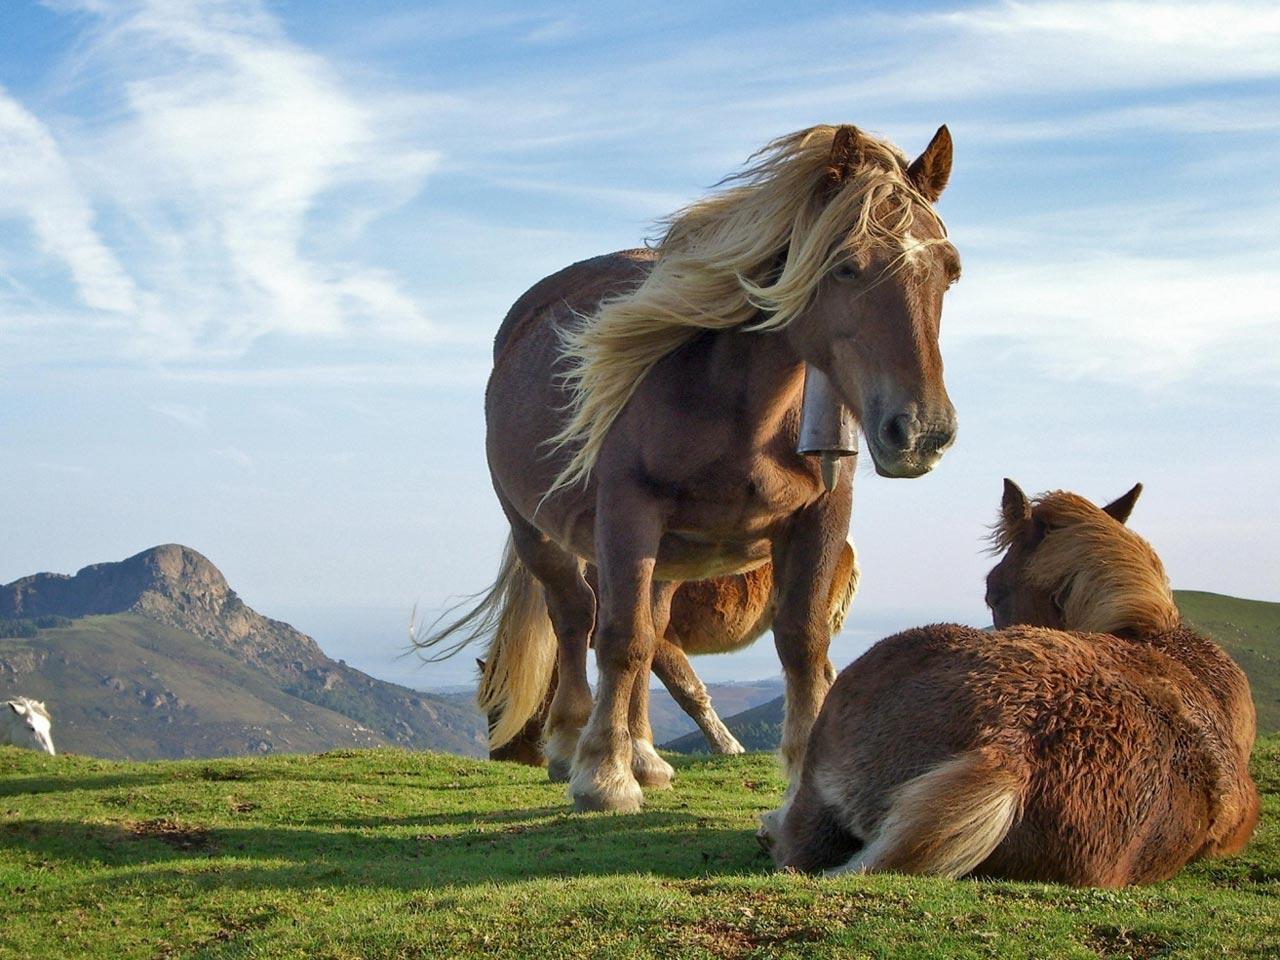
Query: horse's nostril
897, 431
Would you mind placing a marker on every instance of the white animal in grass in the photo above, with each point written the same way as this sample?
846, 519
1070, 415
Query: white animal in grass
25, 723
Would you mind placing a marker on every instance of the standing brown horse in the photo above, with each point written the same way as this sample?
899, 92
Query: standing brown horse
720, 615
1102, 744
643, 415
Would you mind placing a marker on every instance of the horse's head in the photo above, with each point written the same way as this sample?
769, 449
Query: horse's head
30, 725
872, 318
1071, 565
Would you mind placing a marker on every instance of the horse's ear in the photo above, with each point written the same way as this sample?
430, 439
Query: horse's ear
1014, 505
480, 664
846, 155
1120, 508
930, 171
18, 708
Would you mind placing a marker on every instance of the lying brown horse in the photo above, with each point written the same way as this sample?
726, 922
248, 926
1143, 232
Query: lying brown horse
1103, 743
707, 616
643, 415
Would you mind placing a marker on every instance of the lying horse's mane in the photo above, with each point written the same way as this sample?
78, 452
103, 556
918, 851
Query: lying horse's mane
751, 254
1106, 578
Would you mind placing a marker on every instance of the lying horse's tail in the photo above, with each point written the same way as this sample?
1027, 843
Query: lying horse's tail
950, 819
522, 652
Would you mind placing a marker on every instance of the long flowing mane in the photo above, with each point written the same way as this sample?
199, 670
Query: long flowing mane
1106, 577
750, 255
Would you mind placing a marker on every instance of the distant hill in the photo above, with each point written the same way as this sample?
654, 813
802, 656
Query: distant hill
156, 657
1247, 629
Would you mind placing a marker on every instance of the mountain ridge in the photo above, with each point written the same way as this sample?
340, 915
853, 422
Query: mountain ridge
176, 587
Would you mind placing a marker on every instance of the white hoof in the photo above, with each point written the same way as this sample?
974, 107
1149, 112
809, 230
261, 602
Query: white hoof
729, 747
617, 792
559, 748
649, 769
770, 824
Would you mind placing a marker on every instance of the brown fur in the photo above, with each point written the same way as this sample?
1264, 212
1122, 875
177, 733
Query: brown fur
643, 414
1038, 752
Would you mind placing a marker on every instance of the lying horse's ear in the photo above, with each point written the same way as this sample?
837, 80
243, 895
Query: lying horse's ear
1014, 506
1121, 507
18, 708
930, 171
846, 155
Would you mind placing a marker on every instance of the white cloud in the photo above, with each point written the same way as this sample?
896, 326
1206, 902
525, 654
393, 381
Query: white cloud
1134, 319
236, 456
182, 413
37, 186
221, 140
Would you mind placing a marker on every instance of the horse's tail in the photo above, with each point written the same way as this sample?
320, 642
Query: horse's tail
844, 586
516, 671
949, 820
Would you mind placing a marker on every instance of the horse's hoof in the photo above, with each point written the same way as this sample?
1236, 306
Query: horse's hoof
649, 769
559, 771
616, 796
730, 748
765, 839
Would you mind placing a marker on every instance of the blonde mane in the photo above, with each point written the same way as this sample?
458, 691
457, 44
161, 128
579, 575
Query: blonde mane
1106, 578
748, 256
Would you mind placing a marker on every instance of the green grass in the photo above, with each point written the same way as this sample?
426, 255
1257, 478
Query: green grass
367, 854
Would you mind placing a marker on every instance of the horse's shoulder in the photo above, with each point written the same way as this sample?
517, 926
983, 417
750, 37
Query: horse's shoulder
580, 286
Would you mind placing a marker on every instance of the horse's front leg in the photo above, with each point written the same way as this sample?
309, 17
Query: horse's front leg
805, 564
627, 536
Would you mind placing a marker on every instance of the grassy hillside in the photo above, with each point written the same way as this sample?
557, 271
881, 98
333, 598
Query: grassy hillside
126, 686
372, 854
1248, 629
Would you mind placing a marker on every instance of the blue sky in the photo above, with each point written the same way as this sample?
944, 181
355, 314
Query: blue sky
252, 256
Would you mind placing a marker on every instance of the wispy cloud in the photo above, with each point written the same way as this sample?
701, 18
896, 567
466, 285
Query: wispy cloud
182, 413
219, 140
1142, 320
37, 185
236, 456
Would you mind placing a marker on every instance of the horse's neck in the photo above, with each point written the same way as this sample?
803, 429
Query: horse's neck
762, 374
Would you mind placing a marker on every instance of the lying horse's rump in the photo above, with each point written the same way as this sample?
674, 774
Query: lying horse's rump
1035, 753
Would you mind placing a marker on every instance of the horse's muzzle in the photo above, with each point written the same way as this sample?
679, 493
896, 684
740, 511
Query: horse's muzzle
906, 446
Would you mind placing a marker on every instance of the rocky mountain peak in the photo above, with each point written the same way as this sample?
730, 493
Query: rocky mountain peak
172, 572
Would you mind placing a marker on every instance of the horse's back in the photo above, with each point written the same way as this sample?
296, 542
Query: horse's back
580, 287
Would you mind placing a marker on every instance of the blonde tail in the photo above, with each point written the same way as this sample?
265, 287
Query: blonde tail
518, 667
947, 821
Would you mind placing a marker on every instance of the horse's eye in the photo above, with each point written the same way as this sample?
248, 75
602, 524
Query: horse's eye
846, 270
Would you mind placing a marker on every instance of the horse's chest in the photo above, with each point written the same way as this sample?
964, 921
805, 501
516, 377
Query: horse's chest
728, 503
